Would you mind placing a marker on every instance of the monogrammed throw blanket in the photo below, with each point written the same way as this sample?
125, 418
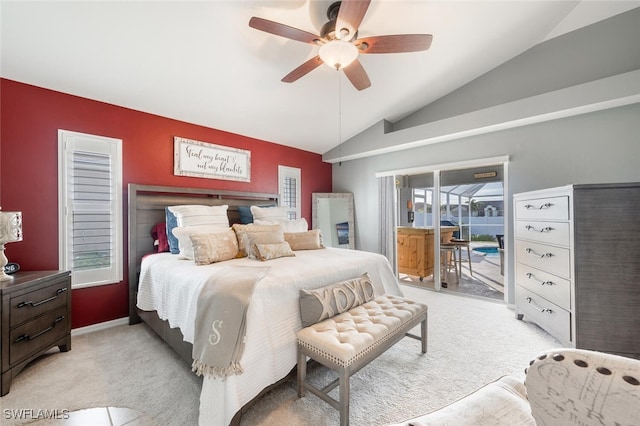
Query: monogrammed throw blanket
221, 320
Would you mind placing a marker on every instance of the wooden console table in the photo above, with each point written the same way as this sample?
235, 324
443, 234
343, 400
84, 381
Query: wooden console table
415, 248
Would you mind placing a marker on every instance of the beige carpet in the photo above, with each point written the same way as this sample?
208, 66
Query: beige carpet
471, 342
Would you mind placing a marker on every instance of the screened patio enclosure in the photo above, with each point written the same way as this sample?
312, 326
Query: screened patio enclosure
478, 209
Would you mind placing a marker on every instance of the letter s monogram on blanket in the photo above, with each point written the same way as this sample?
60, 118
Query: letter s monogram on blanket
214, 338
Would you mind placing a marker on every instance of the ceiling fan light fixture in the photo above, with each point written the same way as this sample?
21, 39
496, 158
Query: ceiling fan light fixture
338, 53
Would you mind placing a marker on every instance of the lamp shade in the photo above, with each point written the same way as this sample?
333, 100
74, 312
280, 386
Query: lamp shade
10, 227
338, 53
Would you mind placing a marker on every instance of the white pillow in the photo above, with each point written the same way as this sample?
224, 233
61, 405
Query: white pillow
192, 215
268, 213
288, 225
182, 233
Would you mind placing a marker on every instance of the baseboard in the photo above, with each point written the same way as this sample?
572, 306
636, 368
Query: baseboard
100, 326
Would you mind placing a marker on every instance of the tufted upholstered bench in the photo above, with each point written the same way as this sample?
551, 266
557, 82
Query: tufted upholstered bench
348, 341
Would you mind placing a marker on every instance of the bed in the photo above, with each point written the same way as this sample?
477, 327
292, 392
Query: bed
164, 300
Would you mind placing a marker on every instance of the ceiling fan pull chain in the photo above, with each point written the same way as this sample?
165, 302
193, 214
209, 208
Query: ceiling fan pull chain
339, 109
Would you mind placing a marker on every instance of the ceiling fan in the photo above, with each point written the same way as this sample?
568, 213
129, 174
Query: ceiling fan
339, 45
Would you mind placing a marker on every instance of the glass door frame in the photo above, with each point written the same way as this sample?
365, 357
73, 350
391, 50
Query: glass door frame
436, 170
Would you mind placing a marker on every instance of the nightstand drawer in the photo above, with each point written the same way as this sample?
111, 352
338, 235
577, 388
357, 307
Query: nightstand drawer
32, 304
547, 208
37, 334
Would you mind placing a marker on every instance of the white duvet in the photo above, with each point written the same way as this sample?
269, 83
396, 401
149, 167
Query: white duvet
170, 286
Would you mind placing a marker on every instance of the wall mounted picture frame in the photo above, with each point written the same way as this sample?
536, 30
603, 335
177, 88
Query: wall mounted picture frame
206, 160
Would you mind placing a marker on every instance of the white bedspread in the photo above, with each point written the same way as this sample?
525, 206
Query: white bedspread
171, 286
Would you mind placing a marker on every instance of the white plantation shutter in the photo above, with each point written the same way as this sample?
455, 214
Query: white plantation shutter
289, 190
91, 208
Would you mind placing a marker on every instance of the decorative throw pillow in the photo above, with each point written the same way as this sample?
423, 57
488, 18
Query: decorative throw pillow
192, 215
288, 225
241, 230
273, 251
245, 215
268, 213
325, 302
183, 234
159, 235
172, 222
250, 240
217, 247
309, 240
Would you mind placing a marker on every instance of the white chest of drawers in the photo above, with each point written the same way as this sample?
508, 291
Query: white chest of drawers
577, 271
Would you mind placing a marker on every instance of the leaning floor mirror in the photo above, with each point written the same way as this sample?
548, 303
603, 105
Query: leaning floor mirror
332, 213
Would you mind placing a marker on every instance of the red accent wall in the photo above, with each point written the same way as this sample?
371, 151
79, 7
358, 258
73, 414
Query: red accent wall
30, 118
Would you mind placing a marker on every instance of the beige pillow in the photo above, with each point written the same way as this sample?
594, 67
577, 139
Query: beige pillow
241, 231
273, 251
309, 240
182, 233
325, 302
267, 237
217, 247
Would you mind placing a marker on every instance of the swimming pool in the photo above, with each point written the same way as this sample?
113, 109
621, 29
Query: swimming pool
486, 249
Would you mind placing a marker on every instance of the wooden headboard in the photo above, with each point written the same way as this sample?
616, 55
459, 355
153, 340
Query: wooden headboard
147, 208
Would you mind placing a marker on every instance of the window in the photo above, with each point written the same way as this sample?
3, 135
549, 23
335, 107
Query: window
90, 208
289, 189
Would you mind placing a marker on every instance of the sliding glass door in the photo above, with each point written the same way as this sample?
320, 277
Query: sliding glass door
462, 208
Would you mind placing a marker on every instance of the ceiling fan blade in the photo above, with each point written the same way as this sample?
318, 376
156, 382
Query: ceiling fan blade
303, 69
350, 17
394, 43
357, 75
283, 30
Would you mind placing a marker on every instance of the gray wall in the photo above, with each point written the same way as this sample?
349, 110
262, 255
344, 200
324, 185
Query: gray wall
599, 147
602, 146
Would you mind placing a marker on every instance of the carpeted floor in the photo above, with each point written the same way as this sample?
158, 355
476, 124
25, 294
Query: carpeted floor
471, 342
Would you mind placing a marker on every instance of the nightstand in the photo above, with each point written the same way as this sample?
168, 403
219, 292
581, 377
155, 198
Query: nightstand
35, 316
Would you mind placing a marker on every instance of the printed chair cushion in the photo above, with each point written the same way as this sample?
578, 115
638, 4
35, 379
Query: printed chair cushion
590, 388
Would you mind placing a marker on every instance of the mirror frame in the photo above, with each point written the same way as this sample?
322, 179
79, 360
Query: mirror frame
350, 211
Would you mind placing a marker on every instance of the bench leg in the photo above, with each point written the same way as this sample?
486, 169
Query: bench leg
302, 373
344, 398
423, 334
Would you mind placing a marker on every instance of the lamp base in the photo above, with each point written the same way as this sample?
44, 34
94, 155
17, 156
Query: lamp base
5, 277
3, 263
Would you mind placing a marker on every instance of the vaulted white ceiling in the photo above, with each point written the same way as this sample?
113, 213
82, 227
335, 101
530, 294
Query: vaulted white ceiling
200, 62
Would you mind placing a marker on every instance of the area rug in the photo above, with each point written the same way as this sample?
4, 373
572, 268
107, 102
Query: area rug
471, 342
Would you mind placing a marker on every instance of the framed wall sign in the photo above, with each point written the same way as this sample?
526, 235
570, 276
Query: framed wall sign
206, 160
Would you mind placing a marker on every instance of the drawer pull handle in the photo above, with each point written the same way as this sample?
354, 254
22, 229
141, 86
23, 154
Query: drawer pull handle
533, 252
543, 310
34, 304
543, 206
533, 228
46, 330
531, 276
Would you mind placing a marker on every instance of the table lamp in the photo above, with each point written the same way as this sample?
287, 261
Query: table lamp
10, 231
